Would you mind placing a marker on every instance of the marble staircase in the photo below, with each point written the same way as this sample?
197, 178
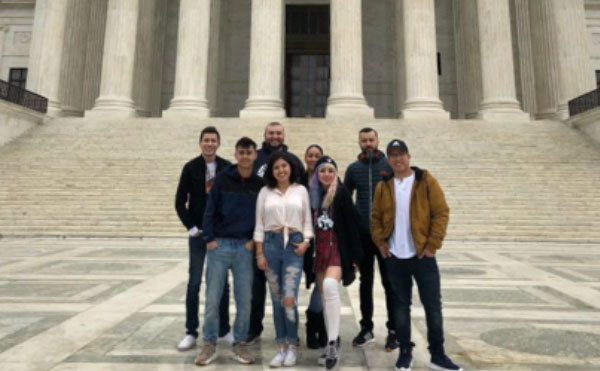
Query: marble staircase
530, 182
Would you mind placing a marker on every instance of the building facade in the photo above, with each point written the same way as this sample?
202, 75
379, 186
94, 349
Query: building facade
434, 59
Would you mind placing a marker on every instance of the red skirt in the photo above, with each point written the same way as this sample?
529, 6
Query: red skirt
326, 250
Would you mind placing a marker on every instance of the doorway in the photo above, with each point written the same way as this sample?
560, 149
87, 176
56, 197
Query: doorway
307, 60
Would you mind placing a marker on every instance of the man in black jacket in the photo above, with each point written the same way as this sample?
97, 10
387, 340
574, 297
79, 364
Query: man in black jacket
196, 180
362, 176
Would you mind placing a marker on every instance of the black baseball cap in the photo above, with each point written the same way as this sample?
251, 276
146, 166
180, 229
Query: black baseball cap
396, 144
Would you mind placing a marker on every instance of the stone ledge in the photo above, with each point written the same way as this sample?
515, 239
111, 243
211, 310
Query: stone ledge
16, 120
588, 122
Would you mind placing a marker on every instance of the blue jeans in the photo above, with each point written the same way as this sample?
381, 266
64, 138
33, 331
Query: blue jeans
427, 275
316, 303
197, 249
231, 253
283, 276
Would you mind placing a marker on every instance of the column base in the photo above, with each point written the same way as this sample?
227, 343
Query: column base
348, 107
424, 114
188, 106
502, 110
263, 107
548, 115
54, 109
499, 114
189, 112
68, 111
113, 107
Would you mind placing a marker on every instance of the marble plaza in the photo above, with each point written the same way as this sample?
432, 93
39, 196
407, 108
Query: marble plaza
118, 304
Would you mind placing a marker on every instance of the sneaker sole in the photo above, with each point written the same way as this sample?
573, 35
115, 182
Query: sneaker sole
435, 367
403, 369
370, 341
187, 348
241, 360
208, 361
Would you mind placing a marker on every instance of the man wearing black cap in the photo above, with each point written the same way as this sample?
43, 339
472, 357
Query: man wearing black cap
408, 236
362, 176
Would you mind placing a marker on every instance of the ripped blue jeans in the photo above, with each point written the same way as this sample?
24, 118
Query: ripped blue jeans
283, 276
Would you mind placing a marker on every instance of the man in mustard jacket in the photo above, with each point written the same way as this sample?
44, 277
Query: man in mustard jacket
408, 224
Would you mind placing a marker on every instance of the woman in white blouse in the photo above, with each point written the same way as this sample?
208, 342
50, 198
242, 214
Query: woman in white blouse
282, 234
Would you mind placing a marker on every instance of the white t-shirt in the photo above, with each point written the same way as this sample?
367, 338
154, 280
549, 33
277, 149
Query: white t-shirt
290, 210
402, 245
211, 173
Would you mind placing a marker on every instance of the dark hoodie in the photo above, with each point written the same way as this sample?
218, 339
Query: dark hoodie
363, 176
230, 210
260, 164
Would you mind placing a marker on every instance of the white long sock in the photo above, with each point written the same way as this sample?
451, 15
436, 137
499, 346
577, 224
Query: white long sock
332, 308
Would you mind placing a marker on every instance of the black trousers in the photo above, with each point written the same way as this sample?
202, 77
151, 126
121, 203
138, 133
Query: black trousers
367, 269
426, 274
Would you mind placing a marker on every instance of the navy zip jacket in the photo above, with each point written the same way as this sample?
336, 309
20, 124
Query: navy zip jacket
260, 165
190, 200
362, 176
231, 207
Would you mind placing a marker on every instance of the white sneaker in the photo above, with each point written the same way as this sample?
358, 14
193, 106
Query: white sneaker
277, 361
187, 343
227, 339
290, 356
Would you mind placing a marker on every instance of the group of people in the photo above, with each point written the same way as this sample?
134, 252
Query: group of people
268, 219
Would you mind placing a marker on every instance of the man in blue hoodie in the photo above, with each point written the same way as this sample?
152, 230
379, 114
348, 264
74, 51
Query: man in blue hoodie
227, 230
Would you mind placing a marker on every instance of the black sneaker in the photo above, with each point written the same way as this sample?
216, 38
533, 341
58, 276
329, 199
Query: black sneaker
443, 363
363, 338
391, 342
332, 356
404, 360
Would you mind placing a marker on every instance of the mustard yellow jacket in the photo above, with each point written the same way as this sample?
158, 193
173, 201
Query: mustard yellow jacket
429, 212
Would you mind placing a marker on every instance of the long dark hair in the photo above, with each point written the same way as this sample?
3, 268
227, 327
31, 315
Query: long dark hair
269, 178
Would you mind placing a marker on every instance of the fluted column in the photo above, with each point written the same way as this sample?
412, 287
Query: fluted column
420, 53
191, 71
118, 62
93, 59
74, 56
497, 64
575, 73
346, 98
468, 57
266, 60
543, 36
47, 62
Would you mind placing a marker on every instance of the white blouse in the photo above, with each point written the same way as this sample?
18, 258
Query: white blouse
289, 210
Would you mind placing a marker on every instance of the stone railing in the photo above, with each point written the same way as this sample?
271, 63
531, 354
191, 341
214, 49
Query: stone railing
23, 97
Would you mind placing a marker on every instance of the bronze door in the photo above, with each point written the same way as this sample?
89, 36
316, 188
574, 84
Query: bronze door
307, 83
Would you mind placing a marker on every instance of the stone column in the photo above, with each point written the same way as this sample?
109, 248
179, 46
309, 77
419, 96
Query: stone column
420, 53
118, 62
575, 73
74, 55
191, 71
93, 59
47, 62
468, 57
266, 60
543, 37
497, 63
346, 97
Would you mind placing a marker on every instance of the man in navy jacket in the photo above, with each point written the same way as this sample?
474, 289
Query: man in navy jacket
227, 230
